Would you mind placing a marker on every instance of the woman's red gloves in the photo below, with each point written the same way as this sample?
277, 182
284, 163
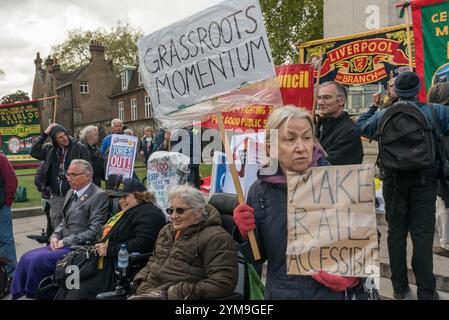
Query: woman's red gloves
336, 283
244, 219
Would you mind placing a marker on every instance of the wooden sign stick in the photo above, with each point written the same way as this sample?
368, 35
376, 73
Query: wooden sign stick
409, 38
235, 179
55, 108
315, 90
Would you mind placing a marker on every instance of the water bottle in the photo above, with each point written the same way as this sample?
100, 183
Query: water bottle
123, 259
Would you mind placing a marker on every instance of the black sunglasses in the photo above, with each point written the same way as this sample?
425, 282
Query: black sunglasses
177, 210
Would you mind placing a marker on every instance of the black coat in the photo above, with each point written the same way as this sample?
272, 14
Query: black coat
97, 164
138, 228
340, 138
268, 197
48, 153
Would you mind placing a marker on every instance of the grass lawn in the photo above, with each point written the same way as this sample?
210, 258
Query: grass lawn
26, 179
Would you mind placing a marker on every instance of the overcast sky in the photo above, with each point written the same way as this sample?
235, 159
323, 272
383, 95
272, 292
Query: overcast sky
30, 26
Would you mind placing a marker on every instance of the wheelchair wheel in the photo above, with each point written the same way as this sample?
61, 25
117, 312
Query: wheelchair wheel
3, 281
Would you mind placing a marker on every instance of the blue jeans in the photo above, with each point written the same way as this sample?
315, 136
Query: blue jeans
7, 245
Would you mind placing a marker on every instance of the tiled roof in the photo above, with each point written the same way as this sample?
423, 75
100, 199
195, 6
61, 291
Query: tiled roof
67, 77
133, 84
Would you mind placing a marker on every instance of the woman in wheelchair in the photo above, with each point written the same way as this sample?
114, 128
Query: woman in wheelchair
194, 256
137, 224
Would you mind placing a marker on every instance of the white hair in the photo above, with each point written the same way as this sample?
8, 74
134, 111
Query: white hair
86, 131
193, 197
284, 114
86, 167
115, 120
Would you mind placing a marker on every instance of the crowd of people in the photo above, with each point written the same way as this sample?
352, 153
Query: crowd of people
194, 257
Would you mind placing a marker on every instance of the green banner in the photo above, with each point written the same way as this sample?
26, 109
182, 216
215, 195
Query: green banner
430, 22
19, 128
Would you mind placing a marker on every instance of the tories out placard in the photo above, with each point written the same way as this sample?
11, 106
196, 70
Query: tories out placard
122, 155
205, 55
332, 221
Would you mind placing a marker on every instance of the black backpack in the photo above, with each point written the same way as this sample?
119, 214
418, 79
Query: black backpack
405, 138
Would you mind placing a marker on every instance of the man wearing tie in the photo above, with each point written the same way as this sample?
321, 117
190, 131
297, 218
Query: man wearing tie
85, 211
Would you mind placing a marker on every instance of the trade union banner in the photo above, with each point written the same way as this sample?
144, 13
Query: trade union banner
19, 128
431, 30
362, 58
296, 84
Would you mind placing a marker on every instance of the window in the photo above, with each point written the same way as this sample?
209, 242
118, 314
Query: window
133, 109
140, 78
121, 111
124, 77
84, 87
148, 111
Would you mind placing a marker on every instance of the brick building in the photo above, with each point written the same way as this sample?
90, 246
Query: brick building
83, 94
131, 103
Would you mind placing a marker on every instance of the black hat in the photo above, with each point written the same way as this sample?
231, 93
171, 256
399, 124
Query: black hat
127, 186
407, 84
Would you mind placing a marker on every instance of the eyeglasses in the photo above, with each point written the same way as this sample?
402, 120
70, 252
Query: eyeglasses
326, 98
177, 210
73, 174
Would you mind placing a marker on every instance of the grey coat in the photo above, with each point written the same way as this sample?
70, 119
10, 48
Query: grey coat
82, 220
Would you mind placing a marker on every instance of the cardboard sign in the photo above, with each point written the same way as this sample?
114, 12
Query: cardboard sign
206, 55
166, 169
122, 155
332, 221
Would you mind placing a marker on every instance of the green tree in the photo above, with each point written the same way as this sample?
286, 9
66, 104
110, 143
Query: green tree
120, 46
17, 96
2, 72
290, 22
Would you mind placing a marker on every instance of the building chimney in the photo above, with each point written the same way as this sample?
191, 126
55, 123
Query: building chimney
48, 62
38, 62
56, 67
96, 51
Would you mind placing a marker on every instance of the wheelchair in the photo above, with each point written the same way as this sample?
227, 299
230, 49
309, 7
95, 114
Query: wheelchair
4, 280
48, 286
44, 237
225, 204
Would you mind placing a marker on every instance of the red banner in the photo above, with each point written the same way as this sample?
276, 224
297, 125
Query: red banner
296, 84
362, 58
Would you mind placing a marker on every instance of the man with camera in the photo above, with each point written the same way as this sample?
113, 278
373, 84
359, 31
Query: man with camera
57, 158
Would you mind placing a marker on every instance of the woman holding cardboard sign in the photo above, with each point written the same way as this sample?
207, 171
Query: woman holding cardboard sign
266, 209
